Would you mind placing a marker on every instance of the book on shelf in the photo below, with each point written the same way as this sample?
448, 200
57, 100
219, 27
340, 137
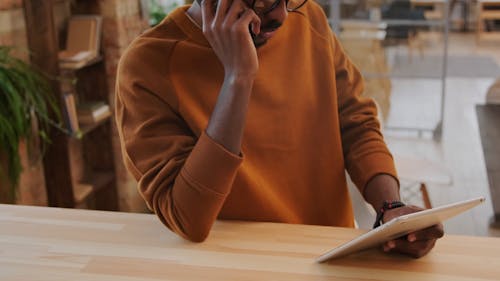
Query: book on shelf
82, 42
71, 114
78, 64
92, 112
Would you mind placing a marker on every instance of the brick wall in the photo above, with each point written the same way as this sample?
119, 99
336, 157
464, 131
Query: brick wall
31, 190
13, 27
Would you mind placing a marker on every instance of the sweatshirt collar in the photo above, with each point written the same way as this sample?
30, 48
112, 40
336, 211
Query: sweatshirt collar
180, 17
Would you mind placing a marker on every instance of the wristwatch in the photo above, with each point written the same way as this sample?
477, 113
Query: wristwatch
388, 205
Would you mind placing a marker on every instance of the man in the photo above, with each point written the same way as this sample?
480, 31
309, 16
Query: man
252, 111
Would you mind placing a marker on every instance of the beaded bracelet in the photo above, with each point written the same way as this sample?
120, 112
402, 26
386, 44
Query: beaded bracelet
388, 205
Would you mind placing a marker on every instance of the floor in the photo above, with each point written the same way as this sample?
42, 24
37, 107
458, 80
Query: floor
416, 102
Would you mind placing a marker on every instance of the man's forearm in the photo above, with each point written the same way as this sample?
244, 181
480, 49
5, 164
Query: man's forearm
227, 121
381, 188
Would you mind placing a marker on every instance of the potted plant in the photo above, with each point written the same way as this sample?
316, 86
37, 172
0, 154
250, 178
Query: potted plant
27, 109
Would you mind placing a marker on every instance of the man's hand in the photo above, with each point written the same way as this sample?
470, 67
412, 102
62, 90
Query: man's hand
227, 31
416, 244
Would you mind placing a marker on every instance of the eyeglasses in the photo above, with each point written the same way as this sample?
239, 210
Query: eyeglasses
262, 7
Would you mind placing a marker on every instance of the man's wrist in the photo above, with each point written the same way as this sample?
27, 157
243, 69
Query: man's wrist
387, 205
381, 188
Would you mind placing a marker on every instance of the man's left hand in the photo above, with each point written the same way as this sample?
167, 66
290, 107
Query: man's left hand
416, 244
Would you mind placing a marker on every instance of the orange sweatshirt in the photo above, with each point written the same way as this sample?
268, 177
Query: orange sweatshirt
306, 124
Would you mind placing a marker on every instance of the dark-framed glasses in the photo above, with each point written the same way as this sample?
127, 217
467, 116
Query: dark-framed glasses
262, 7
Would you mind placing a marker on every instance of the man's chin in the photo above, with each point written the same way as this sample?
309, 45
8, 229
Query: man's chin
259, 42
266, 33
261, 39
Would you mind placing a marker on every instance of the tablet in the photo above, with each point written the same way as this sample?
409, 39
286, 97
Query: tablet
400, 226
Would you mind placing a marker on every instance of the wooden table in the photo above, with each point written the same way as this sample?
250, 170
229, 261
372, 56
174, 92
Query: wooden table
40, 243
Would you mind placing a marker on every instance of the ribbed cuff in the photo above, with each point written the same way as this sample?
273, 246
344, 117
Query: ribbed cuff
211, 166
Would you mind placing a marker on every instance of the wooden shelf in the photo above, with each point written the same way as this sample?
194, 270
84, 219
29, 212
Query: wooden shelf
72, 157
98, 179
93, 183
492, 14
77, 66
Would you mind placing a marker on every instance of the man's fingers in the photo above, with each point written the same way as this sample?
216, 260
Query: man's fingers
240, 14
389, 245
237, 9
433, 232
249, 18
223, 8
206, 12
415, 249
230, 16
415, 244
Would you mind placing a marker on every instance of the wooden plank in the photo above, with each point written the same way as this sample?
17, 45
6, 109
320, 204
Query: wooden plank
490, 14
491, 35
43, 46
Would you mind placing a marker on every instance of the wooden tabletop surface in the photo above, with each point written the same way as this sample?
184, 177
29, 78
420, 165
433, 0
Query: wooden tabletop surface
40, 243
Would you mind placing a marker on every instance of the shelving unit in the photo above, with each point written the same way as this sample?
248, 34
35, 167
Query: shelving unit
372, 20
487, 10
79, 168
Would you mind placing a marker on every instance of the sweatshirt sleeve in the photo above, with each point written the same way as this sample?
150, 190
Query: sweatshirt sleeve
365, 152
183, 178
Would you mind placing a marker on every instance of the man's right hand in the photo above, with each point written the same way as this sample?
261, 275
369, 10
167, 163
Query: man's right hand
227, 31
417, 243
